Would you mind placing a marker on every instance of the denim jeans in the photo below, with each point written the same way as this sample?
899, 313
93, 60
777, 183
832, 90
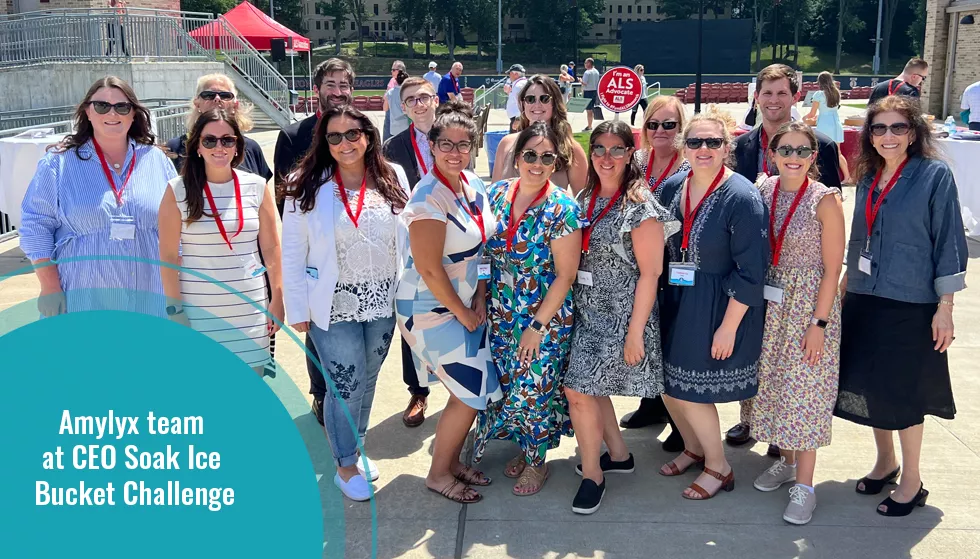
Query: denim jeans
356, 351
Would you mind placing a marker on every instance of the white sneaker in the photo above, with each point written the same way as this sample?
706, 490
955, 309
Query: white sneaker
371, 474
355, 489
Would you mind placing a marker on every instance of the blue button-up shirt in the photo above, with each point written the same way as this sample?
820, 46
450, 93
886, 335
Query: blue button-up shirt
918, 244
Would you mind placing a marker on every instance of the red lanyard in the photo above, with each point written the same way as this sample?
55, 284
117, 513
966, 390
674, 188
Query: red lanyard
765, 152
217, 216
477, 217
688, 214
418, 152
871, 213
513, 224
360, 199
587, 231
666, 170
891, 90
776, 241
455, 84
108, 173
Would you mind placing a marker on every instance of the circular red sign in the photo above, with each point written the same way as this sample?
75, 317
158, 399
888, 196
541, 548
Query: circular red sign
620, 89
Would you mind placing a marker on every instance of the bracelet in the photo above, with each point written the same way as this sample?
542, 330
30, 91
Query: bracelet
942, 302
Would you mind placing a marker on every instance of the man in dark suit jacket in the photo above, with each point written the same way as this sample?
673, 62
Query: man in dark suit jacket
333, 83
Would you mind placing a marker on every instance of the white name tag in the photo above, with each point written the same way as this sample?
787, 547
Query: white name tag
681, 274
252, 267
583, 277
772, 293
483, 270
123, 227
864, 262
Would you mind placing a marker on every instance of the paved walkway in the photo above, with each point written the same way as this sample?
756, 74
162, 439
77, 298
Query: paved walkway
643, 514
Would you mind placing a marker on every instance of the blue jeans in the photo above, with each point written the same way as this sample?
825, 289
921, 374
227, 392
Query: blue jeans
356, 351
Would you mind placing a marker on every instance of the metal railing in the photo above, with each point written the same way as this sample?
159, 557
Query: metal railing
168, 122
39, 117
646, 92
495, 96
253, 72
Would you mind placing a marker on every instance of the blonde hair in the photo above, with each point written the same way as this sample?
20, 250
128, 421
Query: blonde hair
243, 114
661, 102
714, 116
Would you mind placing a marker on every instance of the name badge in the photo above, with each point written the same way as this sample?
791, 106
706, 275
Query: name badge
313, 272
122, 228
772, 293
864, 262
252, 266
483, 268
583, 277
681, 274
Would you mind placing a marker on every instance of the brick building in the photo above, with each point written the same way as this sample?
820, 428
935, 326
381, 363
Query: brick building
18, 6
952, 49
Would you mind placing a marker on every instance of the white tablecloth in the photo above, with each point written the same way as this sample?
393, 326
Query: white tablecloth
18, 162
964, 157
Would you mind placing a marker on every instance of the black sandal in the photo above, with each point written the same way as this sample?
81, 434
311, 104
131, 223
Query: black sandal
903, 509
874, 486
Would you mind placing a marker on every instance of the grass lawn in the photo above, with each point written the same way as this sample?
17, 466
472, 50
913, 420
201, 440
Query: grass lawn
813, 61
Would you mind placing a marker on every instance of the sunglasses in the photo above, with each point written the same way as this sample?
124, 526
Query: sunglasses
696, 143
352, 135
447, 146
209, 95
667, 124
802, 151
413, 101
898, 129
616, 152
102, 107
921, 76
208, 142
544, 99
531, 157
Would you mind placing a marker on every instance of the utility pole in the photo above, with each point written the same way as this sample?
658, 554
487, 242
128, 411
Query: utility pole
697, 82
876, 64
500, 36
272, 12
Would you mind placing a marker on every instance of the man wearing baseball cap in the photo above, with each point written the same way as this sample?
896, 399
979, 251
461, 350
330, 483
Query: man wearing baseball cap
432, 76
571, 69
515, 84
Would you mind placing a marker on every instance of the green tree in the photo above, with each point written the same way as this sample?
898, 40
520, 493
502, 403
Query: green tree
287, 12
845, 19
685, 9
555, 24
760, 13
413, 17
890, 8
917, 30
482, 20
358, 12
338, 10
216, 7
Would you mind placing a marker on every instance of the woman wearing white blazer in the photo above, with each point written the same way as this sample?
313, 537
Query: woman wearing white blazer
341, 260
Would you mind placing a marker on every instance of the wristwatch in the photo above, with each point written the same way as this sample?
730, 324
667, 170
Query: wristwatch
538, 327
174, 309
818, 322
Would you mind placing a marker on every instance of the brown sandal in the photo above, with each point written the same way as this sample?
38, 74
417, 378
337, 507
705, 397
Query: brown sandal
675, 471
472, 476
515, 466
458, 496
727, 483
532, 477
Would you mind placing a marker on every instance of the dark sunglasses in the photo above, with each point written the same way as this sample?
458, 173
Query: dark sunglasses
447, 146
802, 151
544, 98
208, 142
352, 135
424, 99
209, 95
667, 124
921, 76
898, 129
616, 152
102, 107
696, 143
531, 157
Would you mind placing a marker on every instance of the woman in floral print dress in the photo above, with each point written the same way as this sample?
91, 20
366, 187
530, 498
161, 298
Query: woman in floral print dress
534, 257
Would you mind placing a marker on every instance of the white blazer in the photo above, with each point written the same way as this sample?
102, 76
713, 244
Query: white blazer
308, 241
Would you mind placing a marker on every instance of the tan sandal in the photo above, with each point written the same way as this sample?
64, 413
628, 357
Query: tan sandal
472, 476
515, 466
727, 483
532, 477
675, 471
456, 491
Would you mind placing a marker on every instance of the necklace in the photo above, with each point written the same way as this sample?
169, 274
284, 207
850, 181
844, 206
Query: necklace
116, 165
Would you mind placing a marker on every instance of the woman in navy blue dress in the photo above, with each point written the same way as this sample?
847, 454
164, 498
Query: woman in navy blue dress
712, 308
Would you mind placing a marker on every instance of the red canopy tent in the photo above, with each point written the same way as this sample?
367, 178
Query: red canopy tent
256, 27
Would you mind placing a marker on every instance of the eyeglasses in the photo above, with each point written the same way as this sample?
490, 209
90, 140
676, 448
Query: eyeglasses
102, 107
667, 124
341, 86
531, 157
447, 146
208, 95
415, 100
208, 142
544, 98
922, 76
352, 135
898, 129
616, 152
802, 151
696, 143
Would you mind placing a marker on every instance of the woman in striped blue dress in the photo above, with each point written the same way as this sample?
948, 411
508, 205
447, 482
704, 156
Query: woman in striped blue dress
89, 217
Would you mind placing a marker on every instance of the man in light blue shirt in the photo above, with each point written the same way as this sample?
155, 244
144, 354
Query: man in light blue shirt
432, 76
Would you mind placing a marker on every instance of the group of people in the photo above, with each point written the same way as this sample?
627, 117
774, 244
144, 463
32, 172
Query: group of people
691, 270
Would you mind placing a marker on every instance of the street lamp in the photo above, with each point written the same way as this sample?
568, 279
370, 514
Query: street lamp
500, 33
697, 81
876, 63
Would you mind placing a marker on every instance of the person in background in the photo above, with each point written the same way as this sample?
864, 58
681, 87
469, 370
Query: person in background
590, 86
565, 81
777, 90
449, 84
616, 344
398, 122
712, 308
970, 104
410, 150
433, 76
341, 259
908, 83
513, 88
798, 369
118, 7
213, 220
540, 101
397, 67
571, 69
643, 96
906, 258
441, 299
827, 121
97, 194
534, 258
333, 84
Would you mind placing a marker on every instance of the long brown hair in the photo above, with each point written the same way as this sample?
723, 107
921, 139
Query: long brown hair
139, 131
799, 127
829, 88
922, 145
632, 185
193, 172
559, 118
319, 165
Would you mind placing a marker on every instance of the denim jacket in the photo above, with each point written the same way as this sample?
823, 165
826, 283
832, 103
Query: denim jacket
918, 245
